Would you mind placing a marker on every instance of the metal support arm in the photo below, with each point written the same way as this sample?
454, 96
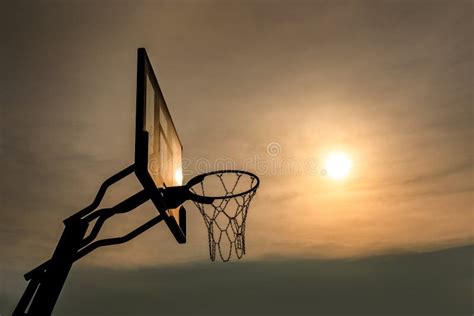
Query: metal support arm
47, 280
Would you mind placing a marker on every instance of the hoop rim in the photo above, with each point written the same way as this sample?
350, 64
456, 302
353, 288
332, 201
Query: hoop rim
201, 177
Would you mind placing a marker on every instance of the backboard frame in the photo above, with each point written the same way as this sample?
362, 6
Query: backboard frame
144, 71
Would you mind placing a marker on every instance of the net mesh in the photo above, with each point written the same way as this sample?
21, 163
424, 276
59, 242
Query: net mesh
226, 216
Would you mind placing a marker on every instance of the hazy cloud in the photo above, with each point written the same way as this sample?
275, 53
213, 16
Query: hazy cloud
410, 284
388, 82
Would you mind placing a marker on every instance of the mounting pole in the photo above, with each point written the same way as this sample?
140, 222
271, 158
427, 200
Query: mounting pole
47, 280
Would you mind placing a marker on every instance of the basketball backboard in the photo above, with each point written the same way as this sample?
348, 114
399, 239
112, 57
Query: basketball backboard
158, 150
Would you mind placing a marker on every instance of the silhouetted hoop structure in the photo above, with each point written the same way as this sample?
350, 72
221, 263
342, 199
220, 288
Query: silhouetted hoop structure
223, 198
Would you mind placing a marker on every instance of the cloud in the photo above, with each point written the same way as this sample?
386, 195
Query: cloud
407, 284
439, 174
390, 82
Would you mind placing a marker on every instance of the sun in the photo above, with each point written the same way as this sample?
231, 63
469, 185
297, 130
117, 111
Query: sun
338, 165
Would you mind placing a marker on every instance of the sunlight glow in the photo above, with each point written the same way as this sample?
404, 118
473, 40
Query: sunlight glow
338, 166
178, 176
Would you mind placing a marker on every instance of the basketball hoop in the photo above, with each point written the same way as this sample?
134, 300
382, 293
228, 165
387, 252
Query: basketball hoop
223, 198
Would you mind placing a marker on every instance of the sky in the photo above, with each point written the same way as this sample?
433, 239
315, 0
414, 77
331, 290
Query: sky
269, 86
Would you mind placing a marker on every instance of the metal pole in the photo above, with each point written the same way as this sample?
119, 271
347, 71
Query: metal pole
50, 281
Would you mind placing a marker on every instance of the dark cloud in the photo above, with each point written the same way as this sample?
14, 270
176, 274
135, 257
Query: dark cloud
437, 283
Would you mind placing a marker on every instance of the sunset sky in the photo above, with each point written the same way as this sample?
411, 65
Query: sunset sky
271, 86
